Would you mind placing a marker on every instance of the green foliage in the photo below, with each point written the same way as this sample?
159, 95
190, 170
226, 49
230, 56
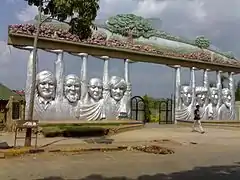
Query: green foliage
147, 110
237, 91
237, 94
81, 13
130, 24
202, 42
152, 106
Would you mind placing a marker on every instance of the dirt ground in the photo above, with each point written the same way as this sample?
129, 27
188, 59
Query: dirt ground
214, 155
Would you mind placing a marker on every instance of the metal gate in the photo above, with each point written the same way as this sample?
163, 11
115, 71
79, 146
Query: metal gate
166, 111
138, 108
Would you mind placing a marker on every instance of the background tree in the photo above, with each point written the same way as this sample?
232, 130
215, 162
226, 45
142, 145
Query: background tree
147, 108
79, 14
202, 42
237, 91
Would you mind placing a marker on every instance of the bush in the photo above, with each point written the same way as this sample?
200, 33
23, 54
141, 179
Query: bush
74, 131
202, 42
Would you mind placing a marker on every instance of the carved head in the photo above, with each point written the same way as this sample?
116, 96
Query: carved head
117, 86
95, 88
72, 88
226, 97
214, 96
46, 84
186, 95
201, 95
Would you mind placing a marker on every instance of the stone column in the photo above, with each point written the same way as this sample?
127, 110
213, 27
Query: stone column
29, 77
232, 89
105, 76
126, 70
83, 76
219, 87
59, 75
206, 85
129, 88
177, 85
205, 78
193, 81
59, 72
106, 92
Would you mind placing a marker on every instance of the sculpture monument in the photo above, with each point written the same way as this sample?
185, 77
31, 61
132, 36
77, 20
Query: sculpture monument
124, 36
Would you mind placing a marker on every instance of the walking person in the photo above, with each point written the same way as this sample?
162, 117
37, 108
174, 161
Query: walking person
197, 121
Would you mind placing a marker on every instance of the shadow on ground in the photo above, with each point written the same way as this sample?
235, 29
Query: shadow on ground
198, 173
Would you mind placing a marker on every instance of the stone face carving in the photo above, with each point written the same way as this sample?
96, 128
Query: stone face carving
201, 98
45, 95
225, 110
211, 108
72, 88
215, 103
46, 85
95, 89
60, 97
117, 105
92, 106
186, 96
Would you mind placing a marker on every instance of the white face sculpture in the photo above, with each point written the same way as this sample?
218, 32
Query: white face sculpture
226, 97
72, 88
46, 84
95, 89
186, 95
118, 87
214, 96
201, 95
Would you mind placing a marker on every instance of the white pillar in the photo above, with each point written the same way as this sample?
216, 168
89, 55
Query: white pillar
105, 74
205, 78
177, 85
83, 74
219, 87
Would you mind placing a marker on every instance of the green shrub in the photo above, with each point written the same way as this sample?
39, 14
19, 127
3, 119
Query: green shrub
202, 42
154, 118
73, 131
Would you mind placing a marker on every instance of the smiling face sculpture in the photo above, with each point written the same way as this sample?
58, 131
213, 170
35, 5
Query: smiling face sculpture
186, 95
118, 86
72, 88
46, 85
226, 97
95, 89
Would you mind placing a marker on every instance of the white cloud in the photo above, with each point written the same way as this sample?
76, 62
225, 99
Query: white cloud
27, 14
150, 8
5, 53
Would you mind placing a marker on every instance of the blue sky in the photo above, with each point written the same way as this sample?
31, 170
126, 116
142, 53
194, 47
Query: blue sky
188, 18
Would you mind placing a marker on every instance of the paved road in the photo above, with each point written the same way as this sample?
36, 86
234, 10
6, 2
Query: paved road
215, 156
150, 132
190, 162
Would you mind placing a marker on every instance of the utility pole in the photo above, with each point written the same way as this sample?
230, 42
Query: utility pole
28, 136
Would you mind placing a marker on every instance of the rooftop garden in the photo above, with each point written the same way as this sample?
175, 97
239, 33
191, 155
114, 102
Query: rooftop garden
128, 31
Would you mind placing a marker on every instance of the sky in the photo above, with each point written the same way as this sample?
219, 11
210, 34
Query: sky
218, 20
